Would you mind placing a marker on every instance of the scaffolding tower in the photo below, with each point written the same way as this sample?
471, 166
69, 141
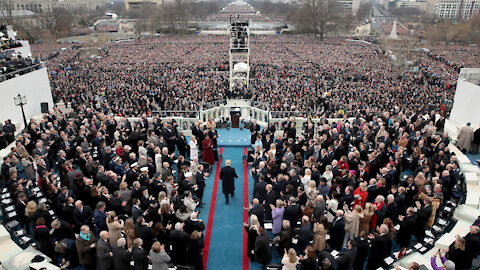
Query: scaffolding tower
239, 55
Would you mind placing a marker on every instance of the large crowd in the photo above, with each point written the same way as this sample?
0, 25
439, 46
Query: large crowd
183, 72
374, 185
119, 191
126, 191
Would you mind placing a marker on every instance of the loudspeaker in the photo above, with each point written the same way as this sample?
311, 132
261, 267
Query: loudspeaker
44, 107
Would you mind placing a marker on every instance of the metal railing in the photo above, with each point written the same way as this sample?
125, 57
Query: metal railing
302, 114
19, 72
213, 104
186, 114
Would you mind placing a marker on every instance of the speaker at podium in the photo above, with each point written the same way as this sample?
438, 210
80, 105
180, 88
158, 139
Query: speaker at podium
235, 116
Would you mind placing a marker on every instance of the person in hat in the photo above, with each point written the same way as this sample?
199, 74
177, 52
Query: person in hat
143, 178
155, 184
132, 174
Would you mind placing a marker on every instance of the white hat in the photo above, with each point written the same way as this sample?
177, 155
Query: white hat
134, 165
116, 159
144, 169
188, 174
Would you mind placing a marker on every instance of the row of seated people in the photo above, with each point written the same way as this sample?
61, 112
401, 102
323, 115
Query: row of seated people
6, 44
375, 186
9, 65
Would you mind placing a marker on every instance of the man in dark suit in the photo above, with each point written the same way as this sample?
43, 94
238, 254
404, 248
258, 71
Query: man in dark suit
270, 199
139, 255
254, 130
194, 224
145, 232
326, 260
20, 207
391, 212
256, 208
82, 215
68, 210
292, 212
423, 215
179, 240
362, 174
347, 258
136, 210
104, 252
117, 205
337, 232
200, 181
6, 167
62, 230
262, 251
304, 234
407, 224
228, 175
62, 196
259, 190
472, 244
362, 250
379, 249
182, 144
121, 257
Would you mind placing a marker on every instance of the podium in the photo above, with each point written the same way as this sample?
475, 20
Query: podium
235, 116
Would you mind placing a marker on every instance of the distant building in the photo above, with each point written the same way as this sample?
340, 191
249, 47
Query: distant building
415, 4
455, 9
137, 5
43, 6
351, 5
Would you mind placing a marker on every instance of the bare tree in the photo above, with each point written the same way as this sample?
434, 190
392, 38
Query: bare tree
449, 32
318, 17
364, 10
175, 15
274, 9
57, 22
474, 24
6, 10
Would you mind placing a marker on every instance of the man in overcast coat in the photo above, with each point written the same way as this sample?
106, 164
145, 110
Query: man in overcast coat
228, 175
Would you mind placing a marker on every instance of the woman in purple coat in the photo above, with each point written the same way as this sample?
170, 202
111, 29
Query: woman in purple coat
277, 216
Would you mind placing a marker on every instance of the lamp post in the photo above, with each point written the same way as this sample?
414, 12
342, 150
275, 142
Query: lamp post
20, 101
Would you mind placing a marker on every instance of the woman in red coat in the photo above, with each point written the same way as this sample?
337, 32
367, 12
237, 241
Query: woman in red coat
360, 195
207, 145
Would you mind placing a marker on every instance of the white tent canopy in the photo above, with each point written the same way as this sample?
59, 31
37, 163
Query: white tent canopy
240, 67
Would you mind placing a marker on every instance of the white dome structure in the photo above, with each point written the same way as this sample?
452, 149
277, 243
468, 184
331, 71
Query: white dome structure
240, 67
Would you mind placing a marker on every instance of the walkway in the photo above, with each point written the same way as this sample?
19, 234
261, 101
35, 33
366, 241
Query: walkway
225, 238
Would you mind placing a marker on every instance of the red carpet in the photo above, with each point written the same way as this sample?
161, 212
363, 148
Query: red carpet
245, 259
211, 213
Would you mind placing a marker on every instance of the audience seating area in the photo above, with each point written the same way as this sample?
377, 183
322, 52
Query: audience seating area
464, 214
16, 249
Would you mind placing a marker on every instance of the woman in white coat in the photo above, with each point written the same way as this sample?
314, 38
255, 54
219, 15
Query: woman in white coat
193, 147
